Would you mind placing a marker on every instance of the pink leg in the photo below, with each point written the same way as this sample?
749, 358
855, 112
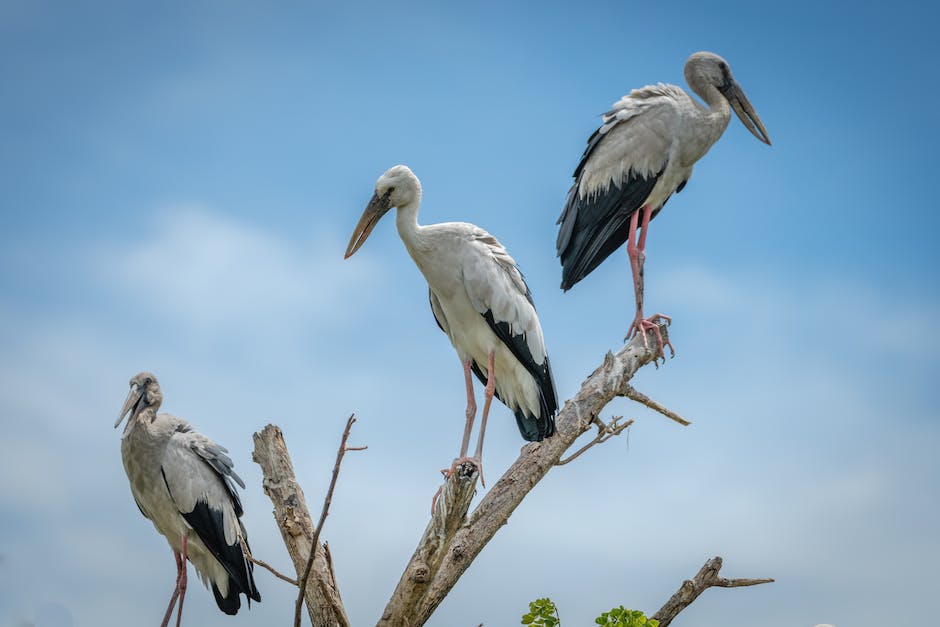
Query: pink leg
180, 566
471, 409
490, 390
182, 585
468, 427
637, 253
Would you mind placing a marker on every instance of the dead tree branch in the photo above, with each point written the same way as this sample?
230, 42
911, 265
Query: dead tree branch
452, 540
323, 514
247, 552
324, 604
707, 577
605, 431
631, 393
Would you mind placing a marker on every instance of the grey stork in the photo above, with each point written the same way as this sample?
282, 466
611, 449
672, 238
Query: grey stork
185, 484
644, 152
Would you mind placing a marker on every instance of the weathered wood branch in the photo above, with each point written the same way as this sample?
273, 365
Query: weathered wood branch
605, 431
452, 540
340, 453
324, 604
707, 577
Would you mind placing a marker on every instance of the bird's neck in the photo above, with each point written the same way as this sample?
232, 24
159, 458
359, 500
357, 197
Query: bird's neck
718, 105
406, 219
140, 422
718, 113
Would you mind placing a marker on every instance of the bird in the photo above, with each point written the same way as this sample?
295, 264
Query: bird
643, 153
185, 484
481, 301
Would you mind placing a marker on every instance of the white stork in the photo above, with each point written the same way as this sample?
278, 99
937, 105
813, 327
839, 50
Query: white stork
642, 153
185, 484
481, 301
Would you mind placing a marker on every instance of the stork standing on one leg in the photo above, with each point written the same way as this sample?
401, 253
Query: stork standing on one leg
643, 152
480, 300
185, 484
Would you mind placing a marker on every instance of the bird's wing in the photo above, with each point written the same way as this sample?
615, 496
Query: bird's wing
201, 480
499, 293
623, 161
197, 472
438, 311
496, 287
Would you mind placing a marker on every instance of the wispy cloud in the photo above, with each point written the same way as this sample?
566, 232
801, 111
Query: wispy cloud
218, 274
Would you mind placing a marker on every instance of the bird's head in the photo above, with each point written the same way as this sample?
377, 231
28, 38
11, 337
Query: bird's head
144, 394
398, 187
707, 69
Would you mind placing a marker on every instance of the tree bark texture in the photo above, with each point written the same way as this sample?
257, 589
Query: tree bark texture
293, 519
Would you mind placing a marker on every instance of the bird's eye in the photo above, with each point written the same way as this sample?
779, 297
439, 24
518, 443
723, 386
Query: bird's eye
148, 381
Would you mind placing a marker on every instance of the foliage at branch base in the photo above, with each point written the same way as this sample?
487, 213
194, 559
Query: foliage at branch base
543, 613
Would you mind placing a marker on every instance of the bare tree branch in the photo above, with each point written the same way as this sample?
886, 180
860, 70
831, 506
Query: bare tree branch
605, 431
443, 555
324, 604
707, 577
631, 393
323, 514
247, 553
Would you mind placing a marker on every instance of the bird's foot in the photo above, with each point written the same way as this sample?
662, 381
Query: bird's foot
641, 325
472, 461
449, 472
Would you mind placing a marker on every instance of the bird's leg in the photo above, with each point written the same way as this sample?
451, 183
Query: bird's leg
471, 409
636, 267
465, 443
471, 414
182, 583
180, 564
488, 396
636, 249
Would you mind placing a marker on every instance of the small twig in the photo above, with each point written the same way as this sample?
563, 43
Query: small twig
298, 605
630, 392
690, 589
604, 433
247, 552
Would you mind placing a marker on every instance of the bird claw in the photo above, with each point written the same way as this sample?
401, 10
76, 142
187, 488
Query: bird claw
449, 472
472, 461
641, 325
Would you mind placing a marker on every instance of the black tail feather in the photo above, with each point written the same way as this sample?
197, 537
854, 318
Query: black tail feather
532, 428
208, 525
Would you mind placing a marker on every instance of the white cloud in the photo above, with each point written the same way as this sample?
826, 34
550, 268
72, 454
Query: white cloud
217, 274
822, 305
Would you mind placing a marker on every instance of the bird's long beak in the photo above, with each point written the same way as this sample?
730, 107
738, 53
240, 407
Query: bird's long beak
747, 114
377, 207
133, 397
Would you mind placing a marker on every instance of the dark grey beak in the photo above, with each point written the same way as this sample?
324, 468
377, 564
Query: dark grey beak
745, 111
131, 405
377, 207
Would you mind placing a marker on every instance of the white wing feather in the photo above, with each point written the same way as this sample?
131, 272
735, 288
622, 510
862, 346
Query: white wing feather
494, 283
637, 136
189, 467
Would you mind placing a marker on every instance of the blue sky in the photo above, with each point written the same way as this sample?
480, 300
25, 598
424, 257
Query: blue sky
179, 184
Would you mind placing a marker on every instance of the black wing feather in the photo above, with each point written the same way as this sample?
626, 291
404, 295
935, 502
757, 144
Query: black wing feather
209, 526
532, 428
595, 226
